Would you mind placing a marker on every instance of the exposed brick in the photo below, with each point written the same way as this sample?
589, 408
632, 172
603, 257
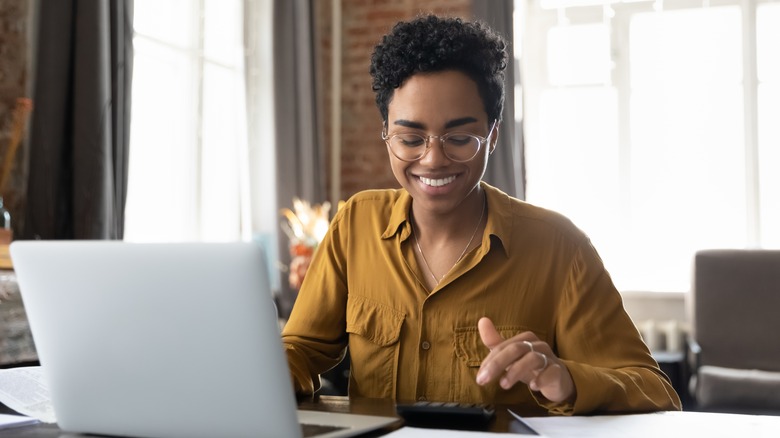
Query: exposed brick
364, 161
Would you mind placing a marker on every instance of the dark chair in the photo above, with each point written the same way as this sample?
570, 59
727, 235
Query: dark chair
735, 341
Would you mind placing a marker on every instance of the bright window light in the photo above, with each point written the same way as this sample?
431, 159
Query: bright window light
638, 127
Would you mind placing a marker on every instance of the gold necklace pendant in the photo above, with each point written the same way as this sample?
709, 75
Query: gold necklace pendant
474, 233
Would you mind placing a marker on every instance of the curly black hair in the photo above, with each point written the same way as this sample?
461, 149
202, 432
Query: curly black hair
430, 44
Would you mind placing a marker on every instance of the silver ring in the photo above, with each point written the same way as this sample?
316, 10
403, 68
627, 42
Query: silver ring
530, 345
544, 356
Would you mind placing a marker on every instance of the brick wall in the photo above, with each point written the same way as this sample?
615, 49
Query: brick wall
14, 83
364, 161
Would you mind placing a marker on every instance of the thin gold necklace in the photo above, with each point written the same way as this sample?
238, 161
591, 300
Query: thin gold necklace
430, 271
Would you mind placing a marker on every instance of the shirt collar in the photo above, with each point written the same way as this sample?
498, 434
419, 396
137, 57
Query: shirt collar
399, 217
499, 218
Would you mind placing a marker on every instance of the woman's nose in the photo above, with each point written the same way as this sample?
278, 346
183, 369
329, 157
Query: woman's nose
434, 154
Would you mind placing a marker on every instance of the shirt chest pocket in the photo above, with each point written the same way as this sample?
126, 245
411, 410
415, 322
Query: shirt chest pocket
469, 354
374, 330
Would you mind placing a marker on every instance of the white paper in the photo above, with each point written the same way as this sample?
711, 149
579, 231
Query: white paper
25, 391
7, 420
660, 424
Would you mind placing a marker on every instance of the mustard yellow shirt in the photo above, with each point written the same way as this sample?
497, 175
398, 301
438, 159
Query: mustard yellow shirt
533, 271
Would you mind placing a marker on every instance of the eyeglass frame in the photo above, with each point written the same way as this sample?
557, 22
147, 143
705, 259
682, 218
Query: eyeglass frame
442, 138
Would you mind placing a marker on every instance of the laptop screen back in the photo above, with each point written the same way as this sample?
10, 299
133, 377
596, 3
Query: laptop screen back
157, 340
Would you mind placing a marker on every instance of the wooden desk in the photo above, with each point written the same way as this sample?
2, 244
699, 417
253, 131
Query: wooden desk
386, 407
381, 407
683, 424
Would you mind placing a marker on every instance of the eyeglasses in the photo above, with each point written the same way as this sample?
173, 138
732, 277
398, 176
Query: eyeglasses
457, 146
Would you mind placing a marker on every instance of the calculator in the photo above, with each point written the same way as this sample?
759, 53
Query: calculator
446, 415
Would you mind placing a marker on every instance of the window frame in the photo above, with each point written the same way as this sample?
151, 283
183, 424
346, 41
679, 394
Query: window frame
534, 21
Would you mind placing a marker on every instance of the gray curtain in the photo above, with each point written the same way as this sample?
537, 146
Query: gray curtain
299, 152
80, 125
506, 168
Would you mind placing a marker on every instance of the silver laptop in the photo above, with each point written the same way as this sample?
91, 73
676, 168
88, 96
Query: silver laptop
163, 340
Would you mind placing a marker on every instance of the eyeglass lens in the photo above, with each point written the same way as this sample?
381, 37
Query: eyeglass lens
456, 146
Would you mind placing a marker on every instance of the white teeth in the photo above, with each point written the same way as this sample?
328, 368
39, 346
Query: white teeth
437, 182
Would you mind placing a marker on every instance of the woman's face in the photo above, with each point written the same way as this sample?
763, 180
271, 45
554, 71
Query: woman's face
435, 104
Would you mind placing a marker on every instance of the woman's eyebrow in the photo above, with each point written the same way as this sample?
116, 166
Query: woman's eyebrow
459, 122
409, 124
451, 124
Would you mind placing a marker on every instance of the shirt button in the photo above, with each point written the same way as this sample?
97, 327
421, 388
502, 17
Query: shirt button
425, 345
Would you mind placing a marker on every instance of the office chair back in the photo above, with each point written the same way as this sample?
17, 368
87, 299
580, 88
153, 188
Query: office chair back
736, 323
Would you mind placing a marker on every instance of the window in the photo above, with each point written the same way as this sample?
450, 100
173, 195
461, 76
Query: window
651, 126
190, 160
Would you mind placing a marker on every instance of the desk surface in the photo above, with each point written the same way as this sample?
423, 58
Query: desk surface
503, 421
646, 425
381, 407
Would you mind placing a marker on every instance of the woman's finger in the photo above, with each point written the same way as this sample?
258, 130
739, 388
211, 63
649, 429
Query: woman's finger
488, 333
525, 370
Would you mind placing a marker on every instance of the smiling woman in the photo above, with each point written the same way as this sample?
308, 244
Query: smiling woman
448, 289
